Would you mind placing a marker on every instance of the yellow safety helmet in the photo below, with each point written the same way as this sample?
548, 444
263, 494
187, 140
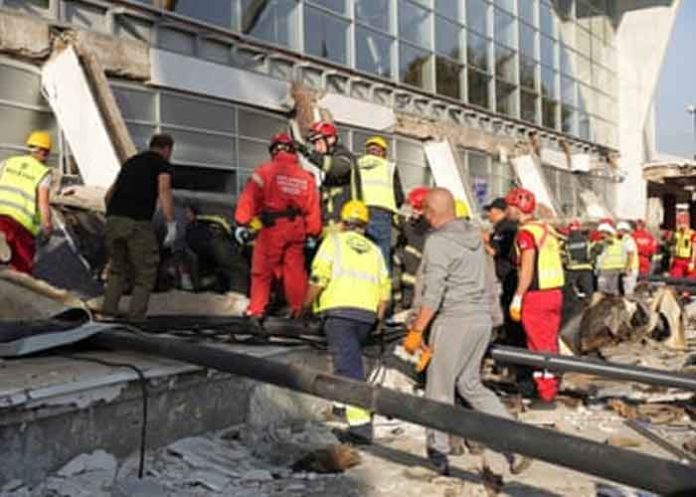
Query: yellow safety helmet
355, 210
377, 140
461, 208
40, 139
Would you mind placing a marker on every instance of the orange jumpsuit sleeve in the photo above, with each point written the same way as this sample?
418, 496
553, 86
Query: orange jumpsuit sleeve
312, 210
251, 199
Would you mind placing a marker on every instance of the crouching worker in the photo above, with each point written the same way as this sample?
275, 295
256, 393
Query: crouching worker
350, 289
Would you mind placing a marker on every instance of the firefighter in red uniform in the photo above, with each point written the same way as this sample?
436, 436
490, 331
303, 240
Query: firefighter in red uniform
284, 197
647, 247
538, 300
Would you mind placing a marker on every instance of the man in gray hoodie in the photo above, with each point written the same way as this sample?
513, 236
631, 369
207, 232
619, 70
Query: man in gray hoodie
455, 298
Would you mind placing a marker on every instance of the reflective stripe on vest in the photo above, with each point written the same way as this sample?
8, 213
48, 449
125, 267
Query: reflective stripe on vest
19, 179
377, 176
357, 416
577, 249
612, 257
219, 220
549, 270
357, 267
683, 244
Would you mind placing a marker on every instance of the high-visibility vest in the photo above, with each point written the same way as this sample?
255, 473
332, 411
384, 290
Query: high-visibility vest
19, 179
377, 176
613, 256
635, 262
358, 277
549, 267
683, 244
577, 250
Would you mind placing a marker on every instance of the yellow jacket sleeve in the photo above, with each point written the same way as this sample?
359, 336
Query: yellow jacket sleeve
322, 264
385, 285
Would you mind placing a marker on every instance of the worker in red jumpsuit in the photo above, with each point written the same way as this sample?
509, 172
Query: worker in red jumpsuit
647, 247
538, 300
284, 197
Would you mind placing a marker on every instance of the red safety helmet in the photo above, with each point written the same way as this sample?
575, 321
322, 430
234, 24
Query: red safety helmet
281, 141
322, 129
607, 220
574, 225
521, 198
416, 197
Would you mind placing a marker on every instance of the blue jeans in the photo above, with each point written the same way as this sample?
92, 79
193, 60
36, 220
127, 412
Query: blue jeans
380, 231
345, 337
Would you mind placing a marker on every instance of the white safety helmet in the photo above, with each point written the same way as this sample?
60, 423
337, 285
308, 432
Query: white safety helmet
623, 226
606, 228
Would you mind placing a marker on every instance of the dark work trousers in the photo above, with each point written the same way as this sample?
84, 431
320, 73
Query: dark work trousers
380, 231
514, 333
345, 337
582, 280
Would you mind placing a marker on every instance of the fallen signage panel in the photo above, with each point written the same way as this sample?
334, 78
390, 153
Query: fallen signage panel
445, 168
68, 92
532, 178
358, 113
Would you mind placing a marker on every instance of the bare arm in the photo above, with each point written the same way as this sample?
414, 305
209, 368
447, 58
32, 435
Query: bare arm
45, 209
526, 273
312, 294
423, 318
166, 200
382, 309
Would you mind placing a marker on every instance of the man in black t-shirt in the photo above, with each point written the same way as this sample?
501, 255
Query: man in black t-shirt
130, 238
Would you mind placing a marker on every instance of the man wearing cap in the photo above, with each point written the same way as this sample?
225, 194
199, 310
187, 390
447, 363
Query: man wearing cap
629, 278
25, 210
611, 259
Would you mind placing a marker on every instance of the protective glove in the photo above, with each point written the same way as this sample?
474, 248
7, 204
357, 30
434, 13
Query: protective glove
242, 234
170, 236
692, 266
516, 308
413, 341
311, 243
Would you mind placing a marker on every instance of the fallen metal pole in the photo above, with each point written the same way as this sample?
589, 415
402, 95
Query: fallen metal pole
595, 367
683, 282
624, 466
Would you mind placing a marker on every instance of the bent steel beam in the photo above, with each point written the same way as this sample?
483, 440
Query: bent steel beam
628, 467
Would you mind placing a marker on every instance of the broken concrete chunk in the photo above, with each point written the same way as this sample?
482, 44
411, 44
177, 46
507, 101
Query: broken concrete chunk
84, 463
257, 475
212, 480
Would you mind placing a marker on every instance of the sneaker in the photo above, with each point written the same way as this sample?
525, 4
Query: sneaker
439, 462
518, 464
5, 251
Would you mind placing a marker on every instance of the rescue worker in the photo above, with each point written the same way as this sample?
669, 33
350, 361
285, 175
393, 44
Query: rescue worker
142, 183
25, 210
578, 261
350, 288
284, 197
683, 253
410, 244
611, 260
538, 299
382, 193
647, 247
341, 174
455, 300
629, 277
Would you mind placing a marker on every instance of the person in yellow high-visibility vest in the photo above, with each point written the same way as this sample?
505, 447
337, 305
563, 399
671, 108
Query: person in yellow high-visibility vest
350, 288
683, 253
25, 210
611, 260
382, 193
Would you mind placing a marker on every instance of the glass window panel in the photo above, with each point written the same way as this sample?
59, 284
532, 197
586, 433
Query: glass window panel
568, 122
24, 121
505, 64
478, 87
477, 15
177, 41
504, 28
506, 4
212, 11
567, 60
273, 20
21, 86
528, 41
373, 52
548, 83
326, 35
448, 38
528, 10
477, 51
216, 51
478, 165
132, 28
584, 69
528, 106
413, 24
141, 134
582, 42
29, 6
135, 105
503, 179
583, 97
407, 151
252, 153
568, 91
452, 9
548, 51
197, 113
412, 176
584, 126
505, 98
448, 77
547, 19
375, 13
548, 113
85, 16
201, 148
528, 72
204, 179
257, 125
335, 5
415, 66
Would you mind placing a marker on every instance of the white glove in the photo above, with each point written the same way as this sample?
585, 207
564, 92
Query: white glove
170, 236
516, 308
242, 235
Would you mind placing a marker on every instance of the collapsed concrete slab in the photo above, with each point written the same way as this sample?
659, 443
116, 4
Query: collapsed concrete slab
24, 37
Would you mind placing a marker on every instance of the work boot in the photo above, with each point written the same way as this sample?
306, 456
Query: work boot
439, 462
259, 335
542, 405
5, 251
517, 463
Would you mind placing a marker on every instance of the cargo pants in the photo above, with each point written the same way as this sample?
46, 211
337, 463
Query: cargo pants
134, 255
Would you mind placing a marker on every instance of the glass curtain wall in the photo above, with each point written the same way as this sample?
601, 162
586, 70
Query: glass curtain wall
548, 62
